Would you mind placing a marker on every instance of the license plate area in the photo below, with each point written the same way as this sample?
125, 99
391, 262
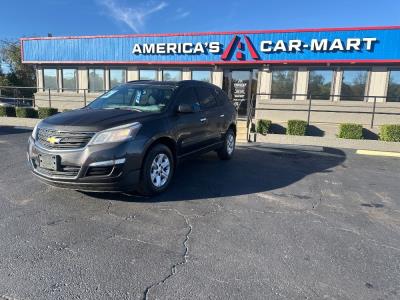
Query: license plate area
49, 162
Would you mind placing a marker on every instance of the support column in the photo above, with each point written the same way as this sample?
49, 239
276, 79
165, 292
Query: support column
133, 74
218, 77
263, 87
337, 85
83, 80
39, 78
378, 83
301, 84
186, 74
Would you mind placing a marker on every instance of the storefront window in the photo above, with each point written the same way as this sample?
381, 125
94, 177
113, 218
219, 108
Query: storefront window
354, 83
282, 84
148, 75
171, 75
320, 84
96, 80
393, 93
117, 77
50, 79
69, 80
201, 75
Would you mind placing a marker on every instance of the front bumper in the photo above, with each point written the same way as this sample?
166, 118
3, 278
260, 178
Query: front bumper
82, 169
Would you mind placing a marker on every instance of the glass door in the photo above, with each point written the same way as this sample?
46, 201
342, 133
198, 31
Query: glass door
240, 85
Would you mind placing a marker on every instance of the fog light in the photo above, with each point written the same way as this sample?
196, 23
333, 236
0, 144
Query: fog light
107, 163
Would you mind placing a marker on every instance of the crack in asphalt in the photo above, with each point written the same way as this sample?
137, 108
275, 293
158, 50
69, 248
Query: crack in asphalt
175, 266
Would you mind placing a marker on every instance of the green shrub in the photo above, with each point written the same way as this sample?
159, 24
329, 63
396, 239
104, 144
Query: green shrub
390, 133
7, 111
45, 112
263, 126
350, 131
296, 127
67, 109
26, 112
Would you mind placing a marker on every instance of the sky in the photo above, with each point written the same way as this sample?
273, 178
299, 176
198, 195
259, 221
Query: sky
32, 18
91, 17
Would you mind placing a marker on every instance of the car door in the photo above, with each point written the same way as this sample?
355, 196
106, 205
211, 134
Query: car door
190, 128
211, 113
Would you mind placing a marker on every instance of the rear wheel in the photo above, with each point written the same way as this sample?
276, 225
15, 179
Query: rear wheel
157, 172
228, 148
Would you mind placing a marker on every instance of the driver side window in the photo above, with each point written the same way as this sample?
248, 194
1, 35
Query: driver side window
188, 96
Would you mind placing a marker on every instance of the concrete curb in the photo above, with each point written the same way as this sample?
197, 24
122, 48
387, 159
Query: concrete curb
20, 122
328, 142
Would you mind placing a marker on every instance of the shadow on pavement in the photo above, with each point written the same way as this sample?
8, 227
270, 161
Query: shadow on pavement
254, 169
4, 130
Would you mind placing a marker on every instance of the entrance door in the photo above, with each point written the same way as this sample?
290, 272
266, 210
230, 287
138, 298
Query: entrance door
240, 85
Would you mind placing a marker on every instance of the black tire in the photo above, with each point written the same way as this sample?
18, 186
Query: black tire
146, 186
224, 153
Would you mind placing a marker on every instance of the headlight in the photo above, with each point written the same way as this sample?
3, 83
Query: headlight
34, 131
116, 134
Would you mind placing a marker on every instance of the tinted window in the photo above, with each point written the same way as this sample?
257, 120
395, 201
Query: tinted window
201, 75
282, 84
69, 79
320, 84
393, 93
117, 77
222, 97
206, 97
50, 79
354, 83
96, 80
148, 74
188, 96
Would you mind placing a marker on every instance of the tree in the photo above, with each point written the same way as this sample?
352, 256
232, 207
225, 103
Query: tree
20, 74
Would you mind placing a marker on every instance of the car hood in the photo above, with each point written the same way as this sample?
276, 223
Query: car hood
93, 119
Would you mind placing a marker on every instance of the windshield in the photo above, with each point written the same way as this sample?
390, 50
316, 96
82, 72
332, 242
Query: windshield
142, 98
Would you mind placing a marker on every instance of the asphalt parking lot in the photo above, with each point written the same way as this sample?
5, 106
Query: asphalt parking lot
273, 223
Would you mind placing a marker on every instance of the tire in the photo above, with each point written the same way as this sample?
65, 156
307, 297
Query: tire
159, 161
227, 150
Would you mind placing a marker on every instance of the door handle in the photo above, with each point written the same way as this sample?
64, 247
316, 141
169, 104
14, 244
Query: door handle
202, 120
221, 116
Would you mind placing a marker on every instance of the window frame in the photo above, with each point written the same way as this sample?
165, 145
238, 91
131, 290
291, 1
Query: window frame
332, 89
76, 80
104, 80
125, 79
295, 77
202, 70
389, 71
178, 70
44, 81
155, 70
367, 84
212, 93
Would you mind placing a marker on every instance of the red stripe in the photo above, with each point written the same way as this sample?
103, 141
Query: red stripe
217, 33
228, 49
253, 51
258, 62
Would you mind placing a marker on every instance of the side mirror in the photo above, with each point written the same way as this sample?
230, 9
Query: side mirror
186, 109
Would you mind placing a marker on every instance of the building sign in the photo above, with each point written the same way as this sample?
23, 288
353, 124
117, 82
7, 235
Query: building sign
299, 46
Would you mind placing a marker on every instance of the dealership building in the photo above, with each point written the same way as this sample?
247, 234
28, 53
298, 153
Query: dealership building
349, 74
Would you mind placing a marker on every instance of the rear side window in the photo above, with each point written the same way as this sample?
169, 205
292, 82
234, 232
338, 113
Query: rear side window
206, 97
188, 96
222, 97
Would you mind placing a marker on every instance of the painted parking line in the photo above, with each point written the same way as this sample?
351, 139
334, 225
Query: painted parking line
378, 153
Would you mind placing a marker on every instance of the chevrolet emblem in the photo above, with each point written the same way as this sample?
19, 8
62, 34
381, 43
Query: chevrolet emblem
53, 140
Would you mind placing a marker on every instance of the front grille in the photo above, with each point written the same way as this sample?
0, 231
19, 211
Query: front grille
64, 139
65, 171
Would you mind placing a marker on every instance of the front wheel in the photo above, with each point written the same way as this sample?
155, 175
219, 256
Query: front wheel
157, 172
228, 148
